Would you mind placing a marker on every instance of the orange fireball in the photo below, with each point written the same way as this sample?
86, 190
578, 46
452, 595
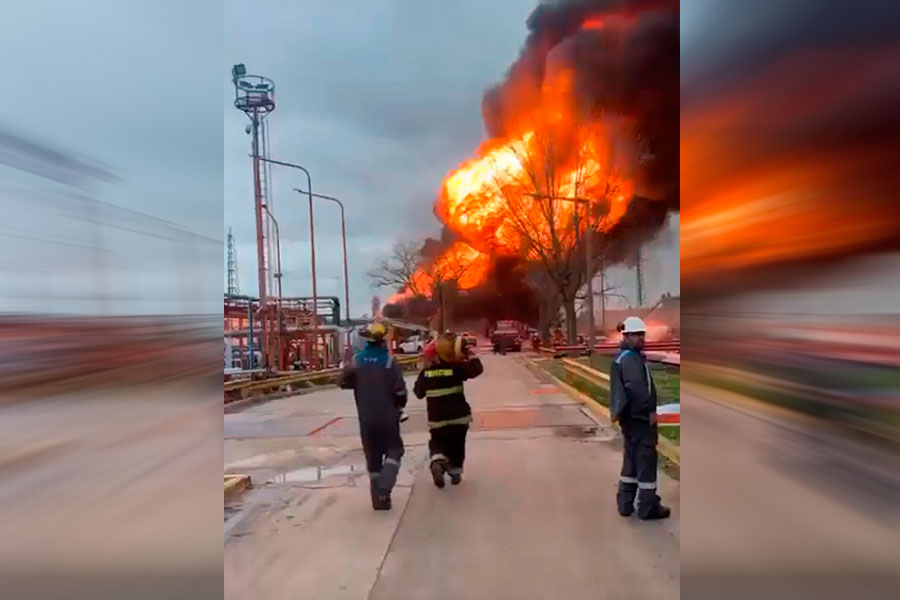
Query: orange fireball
532, 189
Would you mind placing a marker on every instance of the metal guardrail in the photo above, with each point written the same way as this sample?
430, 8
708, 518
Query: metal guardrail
592, 375
601, 379
239, 390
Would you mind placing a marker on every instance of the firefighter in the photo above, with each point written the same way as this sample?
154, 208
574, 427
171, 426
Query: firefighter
449, 415
633, 405
380, 393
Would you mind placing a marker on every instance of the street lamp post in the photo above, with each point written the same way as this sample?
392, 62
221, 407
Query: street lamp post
312, 243
344, 241
277, 276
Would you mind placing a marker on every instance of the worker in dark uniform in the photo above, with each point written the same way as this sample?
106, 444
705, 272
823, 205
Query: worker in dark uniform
380, 393
633, 405
449, 415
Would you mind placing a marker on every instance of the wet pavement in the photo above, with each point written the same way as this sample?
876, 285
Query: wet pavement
537, 505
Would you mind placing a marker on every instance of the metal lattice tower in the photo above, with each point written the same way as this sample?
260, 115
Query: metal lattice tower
234, 287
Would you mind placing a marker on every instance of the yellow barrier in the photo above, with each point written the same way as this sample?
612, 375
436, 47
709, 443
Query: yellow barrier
593, 375
273, 384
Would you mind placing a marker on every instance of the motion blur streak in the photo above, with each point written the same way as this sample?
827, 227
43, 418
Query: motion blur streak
110, 287
790, 312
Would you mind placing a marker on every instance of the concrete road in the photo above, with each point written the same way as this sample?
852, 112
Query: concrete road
534, 518
782, 506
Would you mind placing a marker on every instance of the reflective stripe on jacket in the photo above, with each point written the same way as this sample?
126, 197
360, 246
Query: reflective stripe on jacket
441, 385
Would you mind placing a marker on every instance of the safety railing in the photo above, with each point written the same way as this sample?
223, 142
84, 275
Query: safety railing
244, 389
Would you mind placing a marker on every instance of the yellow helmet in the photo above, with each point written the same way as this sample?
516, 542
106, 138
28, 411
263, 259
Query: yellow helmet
376, 330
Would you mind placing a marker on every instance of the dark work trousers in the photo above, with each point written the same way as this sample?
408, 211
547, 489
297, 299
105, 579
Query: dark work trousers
383, 448
449, 442
638, 475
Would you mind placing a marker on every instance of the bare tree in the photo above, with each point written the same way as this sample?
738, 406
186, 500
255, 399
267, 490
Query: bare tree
445, 273
399, 269
548, 301
549, 166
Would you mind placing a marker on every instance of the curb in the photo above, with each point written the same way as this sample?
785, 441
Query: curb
589, 403
665, 447
235, 484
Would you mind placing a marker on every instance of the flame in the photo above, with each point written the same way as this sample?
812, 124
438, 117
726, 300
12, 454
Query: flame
593, 23
475, 201
463, 263
460, 262
492, 201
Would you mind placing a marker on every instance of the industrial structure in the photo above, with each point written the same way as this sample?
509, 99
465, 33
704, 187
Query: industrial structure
268, 332
297, 347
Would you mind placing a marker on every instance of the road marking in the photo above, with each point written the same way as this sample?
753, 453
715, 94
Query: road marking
541, 391
327, 423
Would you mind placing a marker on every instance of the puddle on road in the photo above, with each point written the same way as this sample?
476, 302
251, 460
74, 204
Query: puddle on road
314, 474
575, 431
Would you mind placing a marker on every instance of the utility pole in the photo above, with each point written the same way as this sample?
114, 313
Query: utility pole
589, 269
603, 294
640, 278
588, 259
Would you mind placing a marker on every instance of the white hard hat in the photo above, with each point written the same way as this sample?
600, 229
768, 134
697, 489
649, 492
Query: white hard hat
634, 325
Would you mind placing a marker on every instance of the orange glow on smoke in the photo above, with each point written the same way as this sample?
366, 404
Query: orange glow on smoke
593, 23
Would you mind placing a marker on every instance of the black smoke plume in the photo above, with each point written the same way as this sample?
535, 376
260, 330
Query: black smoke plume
625, 64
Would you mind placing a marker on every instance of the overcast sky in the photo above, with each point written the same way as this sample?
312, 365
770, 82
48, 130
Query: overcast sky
379, 100
133, 87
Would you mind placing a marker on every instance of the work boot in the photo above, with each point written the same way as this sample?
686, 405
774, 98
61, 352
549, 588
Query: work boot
625, 503
438, 467
658, 511
455, 478
381, 501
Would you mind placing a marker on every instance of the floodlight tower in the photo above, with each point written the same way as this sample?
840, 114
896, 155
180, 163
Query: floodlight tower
255, 96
